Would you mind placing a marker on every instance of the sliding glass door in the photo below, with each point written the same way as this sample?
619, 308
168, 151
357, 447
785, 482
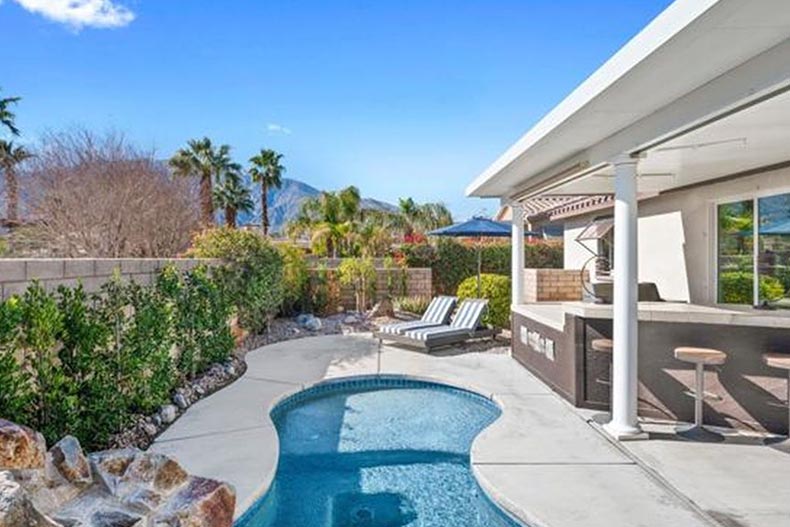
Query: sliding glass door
740, 258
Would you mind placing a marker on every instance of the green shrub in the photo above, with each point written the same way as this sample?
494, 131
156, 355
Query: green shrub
737, 287
200, 321
452, 262
416, 305
147, 341
16, 396
41, 322
323, 292
73, 363
93, 366
252, 275
296, 279
496, 289
359, 273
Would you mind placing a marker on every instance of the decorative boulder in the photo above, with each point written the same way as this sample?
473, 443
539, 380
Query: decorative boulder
110, 465
16, 508
114, 488
156, 471
200, 503
70, 461
168, 413
20, 447
181, 401
313, 324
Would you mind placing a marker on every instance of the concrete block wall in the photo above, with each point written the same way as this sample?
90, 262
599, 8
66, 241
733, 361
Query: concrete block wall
418, 283
16, 274
552, 285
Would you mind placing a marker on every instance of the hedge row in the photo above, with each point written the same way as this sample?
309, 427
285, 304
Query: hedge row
85, 364
452, 261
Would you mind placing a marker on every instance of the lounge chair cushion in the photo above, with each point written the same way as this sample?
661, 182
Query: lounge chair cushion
401, 327
440, 309
469, 314
438, 313
466, 321
426, 334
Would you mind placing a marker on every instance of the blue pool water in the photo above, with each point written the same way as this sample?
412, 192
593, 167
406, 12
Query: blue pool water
383, 452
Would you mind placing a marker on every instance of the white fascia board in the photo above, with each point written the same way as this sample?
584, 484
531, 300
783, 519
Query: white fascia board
665, 26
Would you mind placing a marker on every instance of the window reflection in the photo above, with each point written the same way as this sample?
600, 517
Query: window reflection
773, 260
736, 252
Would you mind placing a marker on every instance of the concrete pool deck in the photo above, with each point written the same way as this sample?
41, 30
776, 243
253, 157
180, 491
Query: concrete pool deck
542, 460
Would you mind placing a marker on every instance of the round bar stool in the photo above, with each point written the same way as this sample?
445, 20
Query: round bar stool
781, 361
605, 346
700, 357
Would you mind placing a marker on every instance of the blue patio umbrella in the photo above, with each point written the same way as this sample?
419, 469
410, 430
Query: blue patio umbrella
478, 227
782, 227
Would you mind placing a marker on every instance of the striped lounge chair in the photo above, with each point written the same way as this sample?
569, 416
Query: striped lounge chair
437, 314
465, 325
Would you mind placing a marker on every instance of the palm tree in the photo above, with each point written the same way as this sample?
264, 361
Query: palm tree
203, 160
10, 156
330, 219
266, 170
234, 197
409, 215
433, 216
7, 118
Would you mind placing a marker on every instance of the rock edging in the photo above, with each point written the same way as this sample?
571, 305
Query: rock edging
64, 487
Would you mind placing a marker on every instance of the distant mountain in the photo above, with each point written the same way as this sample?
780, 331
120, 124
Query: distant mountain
285, 203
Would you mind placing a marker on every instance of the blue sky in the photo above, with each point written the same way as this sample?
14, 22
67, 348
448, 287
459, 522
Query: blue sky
401, 98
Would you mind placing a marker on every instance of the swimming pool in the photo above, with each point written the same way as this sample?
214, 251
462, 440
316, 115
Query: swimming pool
378, 452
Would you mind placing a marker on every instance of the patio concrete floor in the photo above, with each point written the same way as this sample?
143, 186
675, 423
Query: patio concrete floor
543, 460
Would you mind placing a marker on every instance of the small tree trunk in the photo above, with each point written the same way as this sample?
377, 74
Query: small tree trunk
206, 201
230, 217
12, 195
265, 208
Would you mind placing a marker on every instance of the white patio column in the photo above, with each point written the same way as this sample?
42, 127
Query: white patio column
624, 423
517, 254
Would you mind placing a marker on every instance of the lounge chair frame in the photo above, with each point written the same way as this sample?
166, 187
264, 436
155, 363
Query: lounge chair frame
439, 342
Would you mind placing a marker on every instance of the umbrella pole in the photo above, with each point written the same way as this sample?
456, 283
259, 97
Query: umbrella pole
479, 266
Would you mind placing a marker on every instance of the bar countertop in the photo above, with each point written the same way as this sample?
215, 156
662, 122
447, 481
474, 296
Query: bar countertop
553, 314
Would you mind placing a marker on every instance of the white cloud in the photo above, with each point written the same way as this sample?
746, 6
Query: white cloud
277, 129
81, 13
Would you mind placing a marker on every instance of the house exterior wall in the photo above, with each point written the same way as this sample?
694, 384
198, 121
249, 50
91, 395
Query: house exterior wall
677, 235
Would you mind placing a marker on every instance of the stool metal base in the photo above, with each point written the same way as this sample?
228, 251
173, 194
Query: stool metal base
782, 444
700, 434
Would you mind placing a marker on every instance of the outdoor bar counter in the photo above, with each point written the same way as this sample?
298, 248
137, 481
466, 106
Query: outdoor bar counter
553, 340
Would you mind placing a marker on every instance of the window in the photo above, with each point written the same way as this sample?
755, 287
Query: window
773, 257
736, 252
740, 258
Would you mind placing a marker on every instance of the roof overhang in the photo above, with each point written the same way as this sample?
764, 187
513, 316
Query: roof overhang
698, 65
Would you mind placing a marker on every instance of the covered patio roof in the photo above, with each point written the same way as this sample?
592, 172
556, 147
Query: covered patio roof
699, 94
702, 93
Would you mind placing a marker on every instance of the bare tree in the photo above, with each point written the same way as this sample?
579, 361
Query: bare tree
97, 195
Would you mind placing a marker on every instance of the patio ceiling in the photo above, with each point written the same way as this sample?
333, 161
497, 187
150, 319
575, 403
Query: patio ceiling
751, 139
698, 63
